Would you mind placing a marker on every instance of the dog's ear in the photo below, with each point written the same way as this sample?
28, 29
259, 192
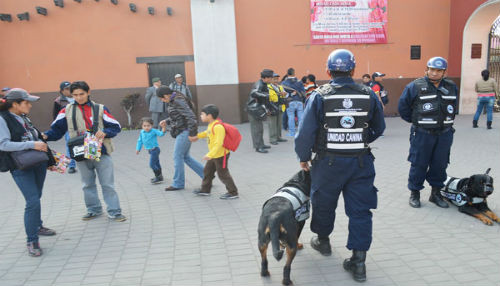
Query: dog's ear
488, 171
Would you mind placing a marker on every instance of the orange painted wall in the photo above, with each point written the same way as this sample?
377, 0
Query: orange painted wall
276, 34
93, 41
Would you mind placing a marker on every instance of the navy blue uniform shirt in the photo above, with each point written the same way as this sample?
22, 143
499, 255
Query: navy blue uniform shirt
313, 119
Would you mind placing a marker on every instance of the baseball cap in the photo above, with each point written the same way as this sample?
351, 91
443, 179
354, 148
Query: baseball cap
177, 75
64, 84
378, 74
19, 93
155, 79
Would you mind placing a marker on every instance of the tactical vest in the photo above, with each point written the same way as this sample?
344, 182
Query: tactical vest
345, 119
299, 201
434, 108
80, 124
456, 196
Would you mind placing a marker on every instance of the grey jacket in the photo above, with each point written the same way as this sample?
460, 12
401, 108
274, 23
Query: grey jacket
181, 116
154, 102
181, 88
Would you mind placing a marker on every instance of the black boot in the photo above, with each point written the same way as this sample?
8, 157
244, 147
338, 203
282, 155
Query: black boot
488, 124
356, 265
474, 123
415, 199
437, 198
322, 244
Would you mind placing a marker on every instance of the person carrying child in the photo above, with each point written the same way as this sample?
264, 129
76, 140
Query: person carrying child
217, 156
148, 138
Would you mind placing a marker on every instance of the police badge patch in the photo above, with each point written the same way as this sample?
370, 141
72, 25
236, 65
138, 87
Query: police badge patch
347, 121
450, 108
347, 103
427, 106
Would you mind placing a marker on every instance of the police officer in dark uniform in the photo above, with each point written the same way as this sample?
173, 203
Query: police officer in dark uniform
340, 119
430, 104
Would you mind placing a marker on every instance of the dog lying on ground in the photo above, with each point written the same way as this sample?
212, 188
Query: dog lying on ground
470, 194
282, 219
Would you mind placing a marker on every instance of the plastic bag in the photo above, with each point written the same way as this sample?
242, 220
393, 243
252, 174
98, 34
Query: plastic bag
62, 162
92, 147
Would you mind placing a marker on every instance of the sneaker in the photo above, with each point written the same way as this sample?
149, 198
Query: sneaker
90, 216
71, 170
156, 180
34, 249
198, 192
118, 217
46, 231
228, 196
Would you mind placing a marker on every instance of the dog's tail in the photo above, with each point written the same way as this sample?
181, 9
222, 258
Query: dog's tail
274, 229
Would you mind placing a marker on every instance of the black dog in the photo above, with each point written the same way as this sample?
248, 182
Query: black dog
283, 217
470, 194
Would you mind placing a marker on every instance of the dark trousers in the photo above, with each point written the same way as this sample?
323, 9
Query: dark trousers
216, 165
257, 130
330, 178
154, 158
30, 182
429, 157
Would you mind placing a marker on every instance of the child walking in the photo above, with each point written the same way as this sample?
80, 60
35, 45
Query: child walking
148, 138
217, 157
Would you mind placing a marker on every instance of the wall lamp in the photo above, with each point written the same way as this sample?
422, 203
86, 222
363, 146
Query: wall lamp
169, 11
59, 3
24, 16
41, 10
6, 17
114, 2
133, 8
151, 10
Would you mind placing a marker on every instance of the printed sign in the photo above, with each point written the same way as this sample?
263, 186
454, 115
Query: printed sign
348, 22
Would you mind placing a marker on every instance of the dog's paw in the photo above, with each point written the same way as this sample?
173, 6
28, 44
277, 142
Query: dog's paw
265, 273
486, 221
300, 246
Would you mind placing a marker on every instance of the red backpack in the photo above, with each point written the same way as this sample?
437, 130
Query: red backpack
231, 140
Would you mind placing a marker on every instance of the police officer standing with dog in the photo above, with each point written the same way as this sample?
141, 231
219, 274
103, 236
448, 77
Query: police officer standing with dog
429, 103
340, 119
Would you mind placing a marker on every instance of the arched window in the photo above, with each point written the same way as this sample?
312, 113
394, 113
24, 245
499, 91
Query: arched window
494, 50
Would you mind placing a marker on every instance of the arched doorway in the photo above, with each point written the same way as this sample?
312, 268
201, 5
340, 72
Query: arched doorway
476, 34
494, 50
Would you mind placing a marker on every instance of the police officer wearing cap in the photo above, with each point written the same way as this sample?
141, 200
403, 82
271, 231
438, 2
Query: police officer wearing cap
429, 103
340, 119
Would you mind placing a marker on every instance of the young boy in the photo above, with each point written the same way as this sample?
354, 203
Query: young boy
148, 138
215, 156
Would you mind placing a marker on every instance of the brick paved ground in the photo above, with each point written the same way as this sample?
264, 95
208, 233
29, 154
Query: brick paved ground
176, 238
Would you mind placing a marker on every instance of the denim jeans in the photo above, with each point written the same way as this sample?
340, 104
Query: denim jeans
30, 182
292, 107
181, 156
154, 158
485, 102
72, 163
104, 170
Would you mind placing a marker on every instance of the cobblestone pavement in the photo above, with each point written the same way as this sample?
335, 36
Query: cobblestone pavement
176, 238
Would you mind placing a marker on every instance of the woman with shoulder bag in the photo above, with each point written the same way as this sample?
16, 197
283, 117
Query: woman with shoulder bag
18, 134
487, 91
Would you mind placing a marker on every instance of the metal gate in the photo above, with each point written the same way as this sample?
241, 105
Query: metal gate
165, 71
494, 51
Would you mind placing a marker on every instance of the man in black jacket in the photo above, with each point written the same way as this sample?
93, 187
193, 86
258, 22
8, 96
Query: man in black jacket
256, 107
